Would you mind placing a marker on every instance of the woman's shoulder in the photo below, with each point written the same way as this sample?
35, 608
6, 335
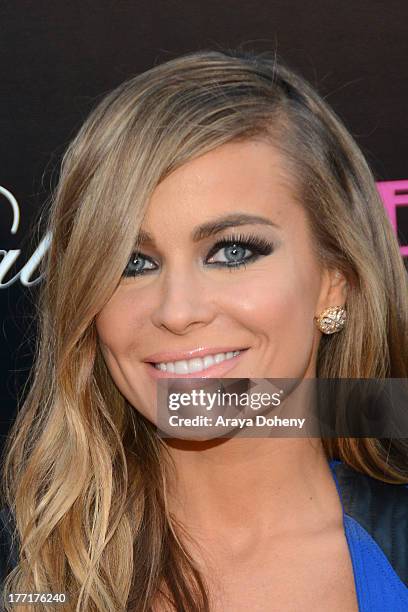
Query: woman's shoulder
379, 512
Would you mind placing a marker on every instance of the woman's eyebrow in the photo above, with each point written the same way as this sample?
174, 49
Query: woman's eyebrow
232, 220
213, 227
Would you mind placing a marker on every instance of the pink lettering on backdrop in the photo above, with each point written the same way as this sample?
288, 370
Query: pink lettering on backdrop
394, 194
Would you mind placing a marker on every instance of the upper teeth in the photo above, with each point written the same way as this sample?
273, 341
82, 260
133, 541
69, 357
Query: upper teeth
194, 365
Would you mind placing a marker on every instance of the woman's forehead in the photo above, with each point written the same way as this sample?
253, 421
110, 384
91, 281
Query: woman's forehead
235, 179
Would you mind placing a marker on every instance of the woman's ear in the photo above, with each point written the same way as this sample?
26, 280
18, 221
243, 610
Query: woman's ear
334, 289
339, 286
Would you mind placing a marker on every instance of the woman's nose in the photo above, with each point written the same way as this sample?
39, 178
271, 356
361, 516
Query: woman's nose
184, 300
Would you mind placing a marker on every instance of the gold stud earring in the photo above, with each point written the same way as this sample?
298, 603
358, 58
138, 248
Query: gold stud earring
331, 320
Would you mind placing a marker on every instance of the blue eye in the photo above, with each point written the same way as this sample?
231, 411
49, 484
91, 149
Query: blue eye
238, 251
234, 253
136, 265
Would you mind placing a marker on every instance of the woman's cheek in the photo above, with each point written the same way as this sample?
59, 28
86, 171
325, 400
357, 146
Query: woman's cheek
119, 321
264, 299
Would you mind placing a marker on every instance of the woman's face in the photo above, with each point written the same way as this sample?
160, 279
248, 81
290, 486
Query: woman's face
188, 293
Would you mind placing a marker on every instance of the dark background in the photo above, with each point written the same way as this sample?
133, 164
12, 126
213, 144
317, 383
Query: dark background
59, 58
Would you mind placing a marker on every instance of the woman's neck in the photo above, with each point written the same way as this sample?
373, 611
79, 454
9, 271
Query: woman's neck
245, 489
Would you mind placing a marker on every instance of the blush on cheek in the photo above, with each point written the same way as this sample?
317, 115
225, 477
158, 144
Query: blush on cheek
281, 322
263, 303
114, 327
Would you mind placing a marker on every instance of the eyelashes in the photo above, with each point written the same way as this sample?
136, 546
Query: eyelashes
234, 246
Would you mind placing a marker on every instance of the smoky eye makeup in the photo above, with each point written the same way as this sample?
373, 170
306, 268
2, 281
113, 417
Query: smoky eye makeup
236, 250
138, 265
235, 245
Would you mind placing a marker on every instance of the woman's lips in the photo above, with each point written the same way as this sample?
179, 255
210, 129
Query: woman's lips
213, 371
200, 351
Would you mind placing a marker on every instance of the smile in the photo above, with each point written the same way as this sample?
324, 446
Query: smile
197, 364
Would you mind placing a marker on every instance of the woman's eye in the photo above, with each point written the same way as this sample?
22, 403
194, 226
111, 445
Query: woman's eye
137, 265
235, 251
232, 254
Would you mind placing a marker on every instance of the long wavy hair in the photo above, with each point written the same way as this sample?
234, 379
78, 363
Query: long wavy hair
84, 473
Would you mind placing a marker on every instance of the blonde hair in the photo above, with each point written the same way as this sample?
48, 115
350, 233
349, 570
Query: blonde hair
84, 473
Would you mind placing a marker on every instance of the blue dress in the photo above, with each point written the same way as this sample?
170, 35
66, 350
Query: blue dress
375, 519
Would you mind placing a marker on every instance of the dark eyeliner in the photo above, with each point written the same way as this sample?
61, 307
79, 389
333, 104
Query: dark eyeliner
128, 272
259, 246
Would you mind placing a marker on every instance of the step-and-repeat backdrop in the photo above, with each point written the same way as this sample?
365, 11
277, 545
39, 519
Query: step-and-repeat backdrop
58, 59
